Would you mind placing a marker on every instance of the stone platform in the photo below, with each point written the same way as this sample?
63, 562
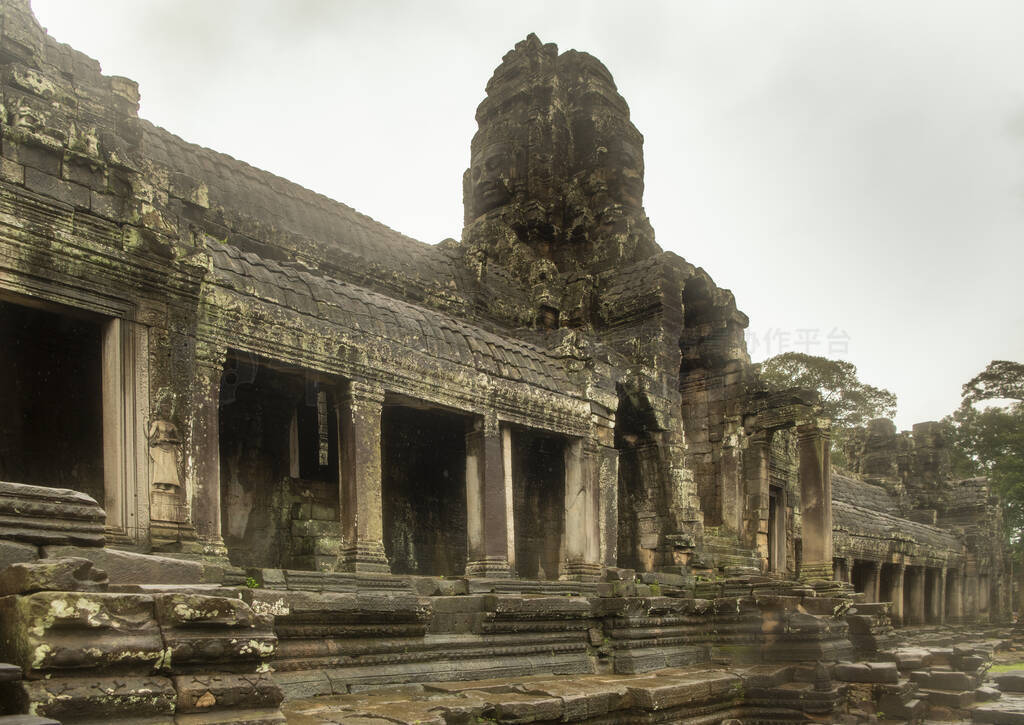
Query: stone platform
677, 695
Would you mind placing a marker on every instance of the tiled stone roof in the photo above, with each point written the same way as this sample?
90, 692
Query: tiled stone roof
284, 220
369, 313
864, 522
865, 495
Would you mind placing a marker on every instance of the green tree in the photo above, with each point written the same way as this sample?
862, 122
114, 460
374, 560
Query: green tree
1000, 380
844, 398
989, 440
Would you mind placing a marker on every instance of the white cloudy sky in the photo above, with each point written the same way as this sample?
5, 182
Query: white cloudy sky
846, 168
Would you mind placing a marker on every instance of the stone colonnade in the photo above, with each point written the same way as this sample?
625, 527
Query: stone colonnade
591, 470
920, 594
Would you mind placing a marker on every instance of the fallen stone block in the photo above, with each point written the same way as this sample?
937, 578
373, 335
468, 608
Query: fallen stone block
128, 567
998, 714
42, 515
1012, 681
62, 575
872, 672
987, 694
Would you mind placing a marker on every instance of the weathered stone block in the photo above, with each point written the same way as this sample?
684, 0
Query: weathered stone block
101, 698
12, 171
128, 567
951, 680
998, 714
45, 160
43, 515
875, 672
62, 631
208, 692
65, 575
65, 191
12, 552
199, 630
1012, 681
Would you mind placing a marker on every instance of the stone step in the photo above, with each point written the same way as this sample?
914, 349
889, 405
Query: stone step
912, 709
1000, 713
949, 698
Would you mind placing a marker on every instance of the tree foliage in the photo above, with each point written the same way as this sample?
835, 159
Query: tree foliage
1000, 380
844, 398
989, 441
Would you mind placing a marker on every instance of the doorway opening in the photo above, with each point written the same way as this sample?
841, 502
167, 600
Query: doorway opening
423, 487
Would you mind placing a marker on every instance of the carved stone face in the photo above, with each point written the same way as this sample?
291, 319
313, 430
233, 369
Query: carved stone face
25, 116
626, 166
491, 176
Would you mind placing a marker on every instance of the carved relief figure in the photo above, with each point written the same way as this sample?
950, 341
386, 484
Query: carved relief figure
164, 450
164, 443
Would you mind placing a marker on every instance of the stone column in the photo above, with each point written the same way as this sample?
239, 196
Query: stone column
815, 502
971, 597
940, 596
916, 596
204, 431
984, 597
755, 474
898, 578
487, 512
359, 417
605, 468
581, 538
956, 609
871, 583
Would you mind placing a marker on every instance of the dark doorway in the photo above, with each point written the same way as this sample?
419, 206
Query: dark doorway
279, 465
639, 483
423, 485
51, 395
776, 529
538, 475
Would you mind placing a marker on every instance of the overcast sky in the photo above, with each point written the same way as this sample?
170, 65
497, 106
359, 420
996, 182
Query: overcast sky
853, 171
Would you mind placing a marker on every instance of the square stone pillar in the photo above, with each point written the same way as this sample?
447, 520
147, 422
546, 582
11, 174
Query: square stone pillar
488, 499
971, 597
898, 578
756, 482
605, 469
916, 595
939, 607
873, 591
815, 502
955, 582
359, 418
581, 542
204, 430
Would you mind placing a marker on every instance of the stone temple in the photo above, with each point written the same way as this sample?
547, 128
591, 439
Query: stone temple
258, 448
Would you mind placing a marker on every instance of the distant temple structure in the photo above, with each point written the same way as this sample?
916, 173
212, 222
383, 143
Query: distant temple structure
541, 449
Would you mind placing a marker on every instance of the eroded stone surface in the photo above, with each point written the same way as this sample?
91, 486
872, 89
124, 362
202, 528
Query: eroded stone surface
68, 574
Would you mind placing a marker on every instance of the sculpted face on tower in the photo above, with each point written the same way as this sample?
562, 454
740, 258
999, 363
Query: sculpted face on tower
491, 172
622, 165
556, 154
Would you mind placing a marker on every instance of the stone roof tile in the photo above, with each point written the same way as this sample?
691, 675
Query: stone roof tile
401, 323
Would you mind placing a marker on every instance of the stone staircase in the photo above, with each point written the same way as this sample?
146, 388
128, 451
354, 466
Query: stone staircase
721, 553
